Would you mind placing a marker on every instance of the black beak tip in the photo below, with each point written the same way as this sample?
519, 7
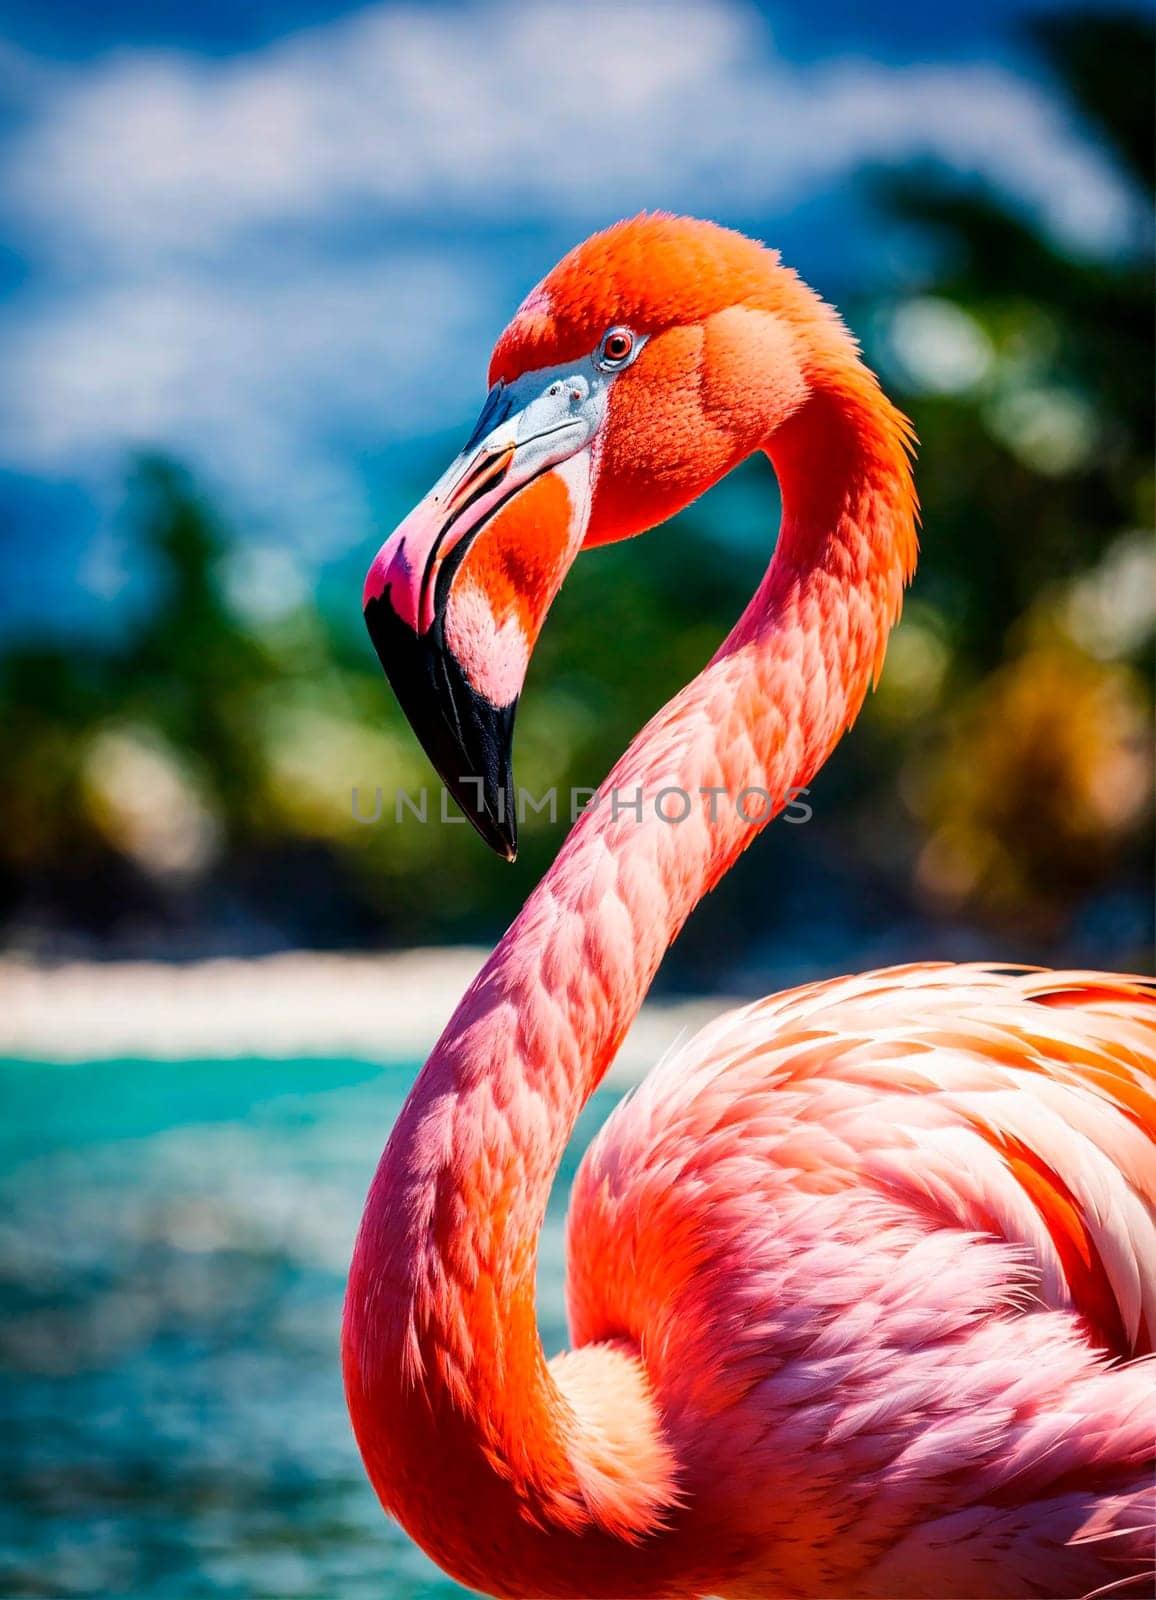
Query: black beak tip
501, 837
491, 811
468, 740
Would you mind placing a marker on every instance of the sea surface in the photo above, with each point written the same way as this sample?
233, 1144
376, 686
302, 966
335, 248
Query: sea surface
174, 1238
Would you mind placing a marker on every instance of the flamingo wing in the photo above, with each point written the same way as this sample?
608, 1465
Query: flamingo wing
1015, 1103
872, 1232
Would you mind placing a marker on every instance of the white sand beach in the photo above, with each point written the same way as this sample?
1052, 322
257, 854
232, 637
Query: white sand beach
382, 1007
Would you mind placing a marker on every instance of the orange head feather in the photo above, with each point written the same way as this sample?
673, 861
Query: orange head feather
730, 333
651, 273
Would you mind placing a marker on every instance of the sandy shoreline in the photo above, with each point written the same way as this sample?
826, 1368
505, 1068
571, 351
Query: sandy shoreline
387, 1007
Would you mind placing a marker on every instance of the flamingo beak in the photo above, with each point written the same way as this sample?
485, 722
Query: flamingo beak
468, 739
464, 718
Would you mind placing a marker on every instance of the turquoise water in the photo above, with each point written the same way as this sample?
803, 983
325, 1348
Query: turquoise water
173, 1245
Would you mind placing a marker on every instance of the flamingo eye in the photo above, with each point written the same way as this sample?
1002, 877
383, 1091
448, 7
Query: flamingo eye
617, 347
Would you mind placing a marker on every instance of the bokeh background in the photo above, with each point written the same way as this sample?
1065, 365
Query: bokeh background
252, 260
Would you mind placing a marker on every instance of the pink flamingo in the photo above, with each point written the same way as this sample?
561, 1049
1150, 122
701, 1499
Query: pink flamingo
861, 1278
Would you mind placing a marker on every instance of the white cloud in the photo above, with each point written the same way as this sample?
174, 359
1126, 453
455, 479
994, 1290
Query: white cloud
171, 346
567, 111
269, 387
227, 254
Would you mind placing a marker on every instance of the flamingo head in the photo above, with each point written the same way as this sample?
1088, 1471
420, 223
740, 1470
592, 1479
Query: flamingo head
651, 360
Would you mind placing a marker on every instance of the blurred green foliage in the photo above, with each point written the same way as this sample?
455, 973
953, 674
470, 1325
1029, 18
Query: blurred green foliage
189, 786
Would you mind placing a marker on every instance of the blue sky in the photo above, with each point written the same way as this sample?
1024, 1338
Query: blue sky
278, 241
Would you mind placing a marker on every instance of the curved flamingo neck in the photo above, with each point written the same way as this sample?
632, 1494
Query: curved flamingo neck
491, 1459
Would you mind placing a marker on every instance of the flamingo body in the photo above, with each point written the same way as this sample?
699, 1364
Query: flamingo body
862, 1281
835, 1229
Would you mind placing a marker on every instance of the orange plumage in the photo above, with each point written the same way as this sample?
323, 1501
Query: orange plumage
861, 1279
